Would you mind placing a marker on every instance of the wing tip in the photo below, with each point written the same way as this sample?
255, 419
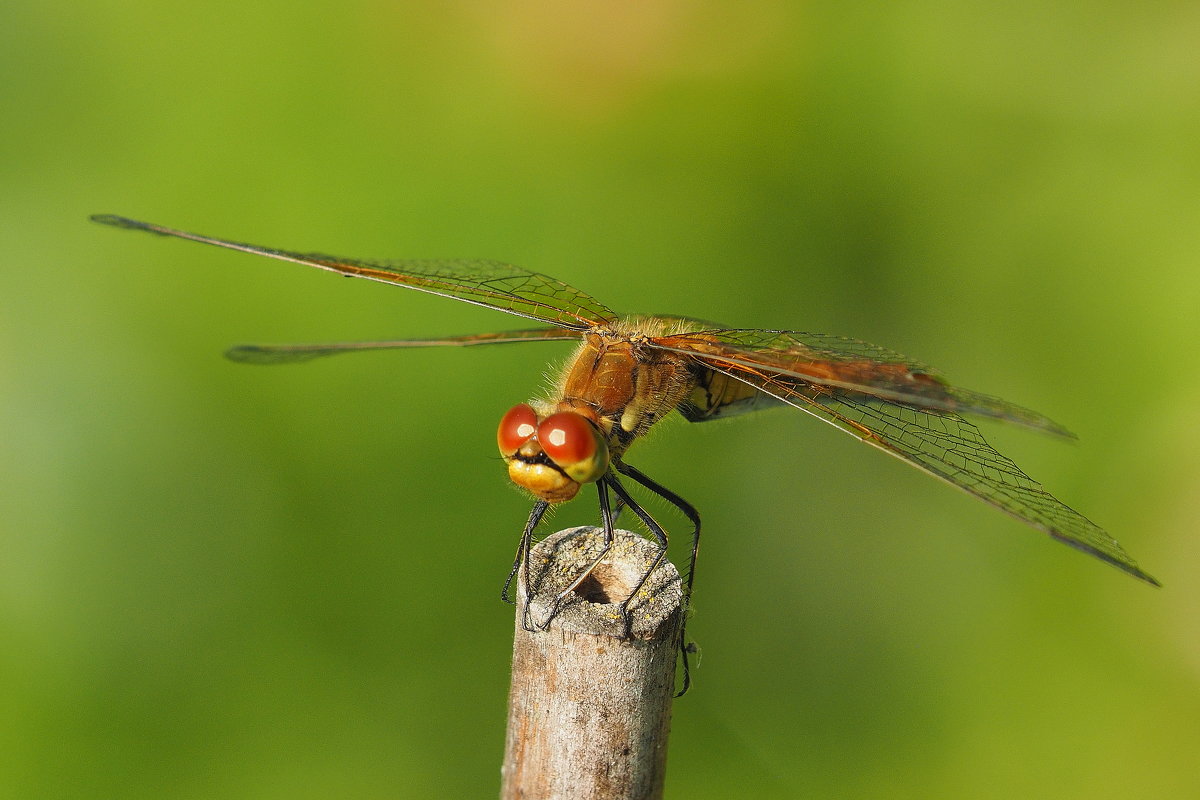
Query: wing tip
1137, 572
277, 353
116, 221
249, 354
1120, 559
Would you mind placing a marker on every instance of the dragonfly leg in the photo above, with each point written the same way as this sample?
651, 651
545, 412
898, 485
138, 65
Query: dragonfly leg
660, 537
618, 507
686, 508
689, 511
521, 562
608, 518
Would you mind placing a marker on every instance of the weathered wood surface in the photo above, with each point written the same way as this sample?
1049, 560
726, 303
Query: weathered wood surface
589, 710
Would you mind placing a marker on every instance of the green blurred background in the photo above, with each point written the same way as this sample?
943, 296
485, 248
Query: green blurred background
229, 581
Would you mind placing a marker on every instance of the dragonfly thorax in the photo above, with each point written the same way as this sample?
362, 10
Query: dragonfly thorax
624, 384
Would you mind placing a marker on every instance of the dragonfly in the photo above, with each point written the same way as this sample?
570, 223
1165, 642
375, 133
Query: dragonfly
628, 372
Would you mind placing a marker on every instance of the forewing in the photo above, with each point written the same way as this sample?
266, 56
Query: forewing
293, 353
850, 364
492, 284
949, 447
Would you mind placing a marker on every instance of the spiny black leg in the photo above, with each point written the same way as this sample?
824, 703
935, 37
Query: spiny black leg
617, 509
608, 514
535, 517
686, 508
521, 562
656, 531
607, 517
690, 512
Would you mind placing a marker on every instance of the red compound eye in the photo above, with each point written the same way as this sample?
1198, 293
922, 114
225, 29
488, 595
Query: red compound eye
516, 428
575, 445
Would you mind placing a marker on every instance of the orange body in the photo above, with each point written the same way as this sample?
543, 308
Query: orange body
620, 386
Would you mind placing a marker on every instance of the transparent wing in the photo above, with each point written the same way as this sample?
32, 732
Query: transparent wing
293, 353
486, 283
949, 447
842, 363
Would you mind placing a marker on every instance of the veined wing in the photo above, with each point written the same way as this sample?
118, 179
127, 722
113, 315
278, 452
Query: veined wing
949, 447
293, 353
492, 284
849, 364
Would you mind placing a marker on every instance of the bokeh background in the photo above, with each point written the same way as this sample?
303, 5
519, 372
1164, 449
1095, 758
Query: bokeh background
227, 581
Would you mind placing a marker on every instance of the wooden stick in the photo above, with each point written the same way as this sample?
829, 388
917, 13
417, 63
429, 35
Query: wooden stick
589, 710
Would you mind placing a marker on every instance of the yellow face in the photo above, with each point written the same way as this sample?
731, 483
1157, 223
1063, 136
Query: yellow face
553, 456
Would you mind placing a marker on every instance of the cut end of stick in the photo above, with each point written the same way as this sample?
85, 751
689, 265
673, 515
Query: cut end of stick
589, 709
593, 605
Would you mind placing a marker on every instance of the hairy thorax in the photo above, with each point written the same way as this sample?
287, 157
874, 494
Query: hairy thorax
621, 384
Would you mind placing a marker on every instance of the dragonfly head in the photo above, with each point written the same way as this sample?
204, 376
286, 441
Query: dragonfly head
554, 455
